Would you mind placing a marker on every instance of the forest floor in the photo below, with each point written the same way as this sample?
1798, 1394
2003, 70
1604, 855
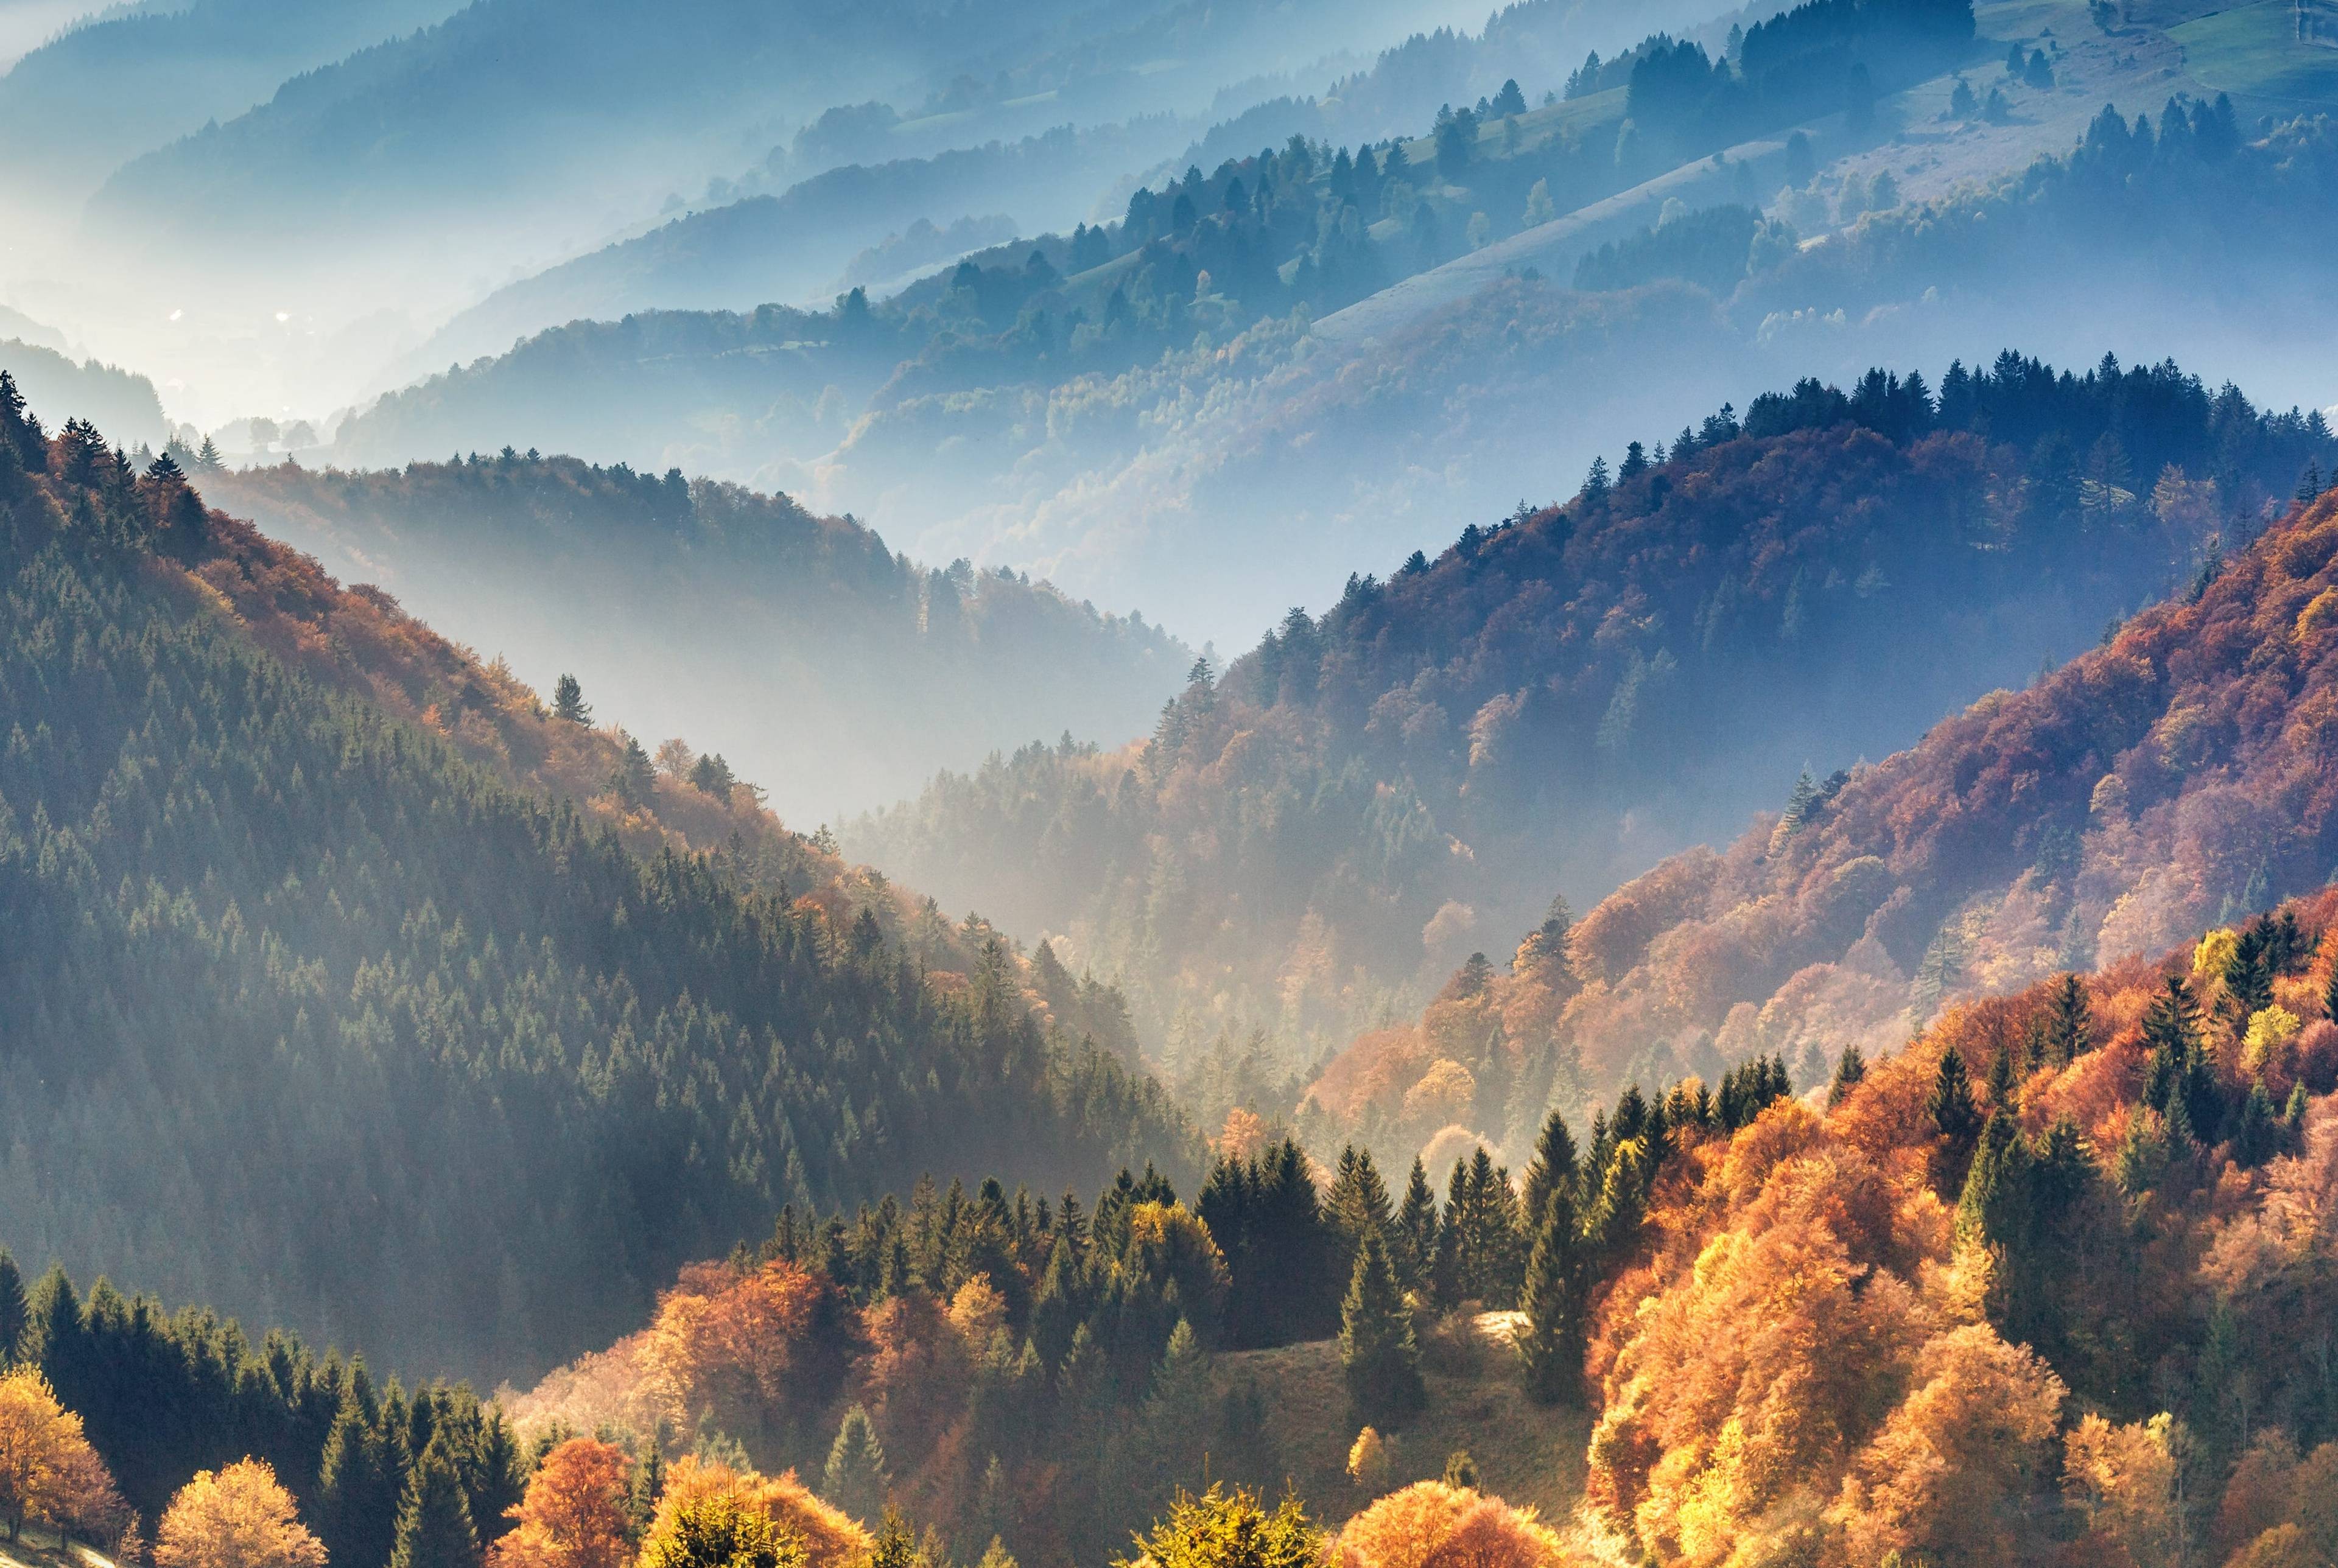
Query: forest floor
1526, 1453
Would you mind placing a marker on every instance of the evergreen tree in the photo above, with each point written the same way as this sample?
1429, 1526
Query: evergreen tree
1461, 1470
1951, 1105
357, 1505
1551, 1345
855, 1479
1177, 1415
434, 1522
1357, 1204
634, 777
1414, 1244
2070, 1023
568, 702
1848, 1072
1553, 1167
1378, 1352
13, 1312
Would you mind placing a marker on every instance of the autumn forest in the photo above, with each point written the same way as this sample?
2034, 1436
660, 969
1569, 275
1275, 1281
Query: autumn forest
1252, 784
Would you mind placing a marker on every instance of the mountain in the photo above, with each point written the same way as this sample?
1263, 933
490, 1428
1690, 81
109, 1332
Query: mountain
118, 400
1095, 414
829, 671
134, 77
788, 246
356, 990
1325, 833
2174, 776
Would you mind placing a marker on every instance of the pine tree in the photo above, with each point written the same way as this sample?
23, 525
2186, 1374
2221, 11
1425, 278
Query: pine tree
1848, 1072
1378, 1352
434, 1522
2069, 1024
634, 777
857, 1480
207, 457
1553, 1167
1357, 1203
1178, 1411
1995, 1209
568, 702
1951, 1104
1551, 1344
1414, 1243
1461, 1470
357, 1498
13, 1313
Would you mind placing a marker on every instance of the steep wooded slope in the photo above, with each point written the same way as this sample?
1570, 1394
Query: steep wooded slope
335, 994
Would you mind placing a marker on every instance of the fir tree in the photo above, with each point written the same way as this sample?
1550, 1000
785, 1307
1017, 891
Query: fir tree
1848, 1072
1413, 1246
855, 1479
2070, 1023
434, 1522
1378, 1352
1951, 1105
13, 1314
568, 702
1553, 1167
1551, 1344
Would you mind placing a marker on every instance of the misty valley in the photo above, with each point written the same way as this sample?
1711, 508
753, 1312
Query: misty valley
1181, 784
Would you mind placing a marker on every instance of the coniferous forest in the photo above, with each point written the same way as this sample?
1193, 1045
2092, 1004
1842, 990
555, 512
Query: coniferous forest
1189, 784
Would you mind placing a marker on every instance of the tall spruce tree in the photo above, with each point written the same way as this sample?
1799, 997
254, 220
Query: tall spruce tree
857, 1479
2070, 1023
1378, 1352
13, 1312
1551, 1344
1552, 1167
434, 1522
1951, 1105
1414, 1245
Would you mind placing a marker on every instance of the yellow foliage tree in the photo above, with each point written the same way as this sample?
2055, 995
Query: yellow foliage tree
825, 1536
1368, 1460
1429, 1525
239, 1517
1949, 1476
47, 1469
2123, 1481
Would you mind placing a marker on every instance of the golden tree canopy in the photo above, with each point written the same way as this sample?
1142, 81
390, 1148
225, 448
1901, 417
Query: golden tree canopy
239, 1517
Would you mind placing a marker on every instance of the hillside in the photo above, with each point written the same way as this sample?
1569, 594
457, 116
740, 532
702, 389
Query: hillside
1371, 793
128, 81
785, 242
1094, 414
2168, 780
369, 996
829, 671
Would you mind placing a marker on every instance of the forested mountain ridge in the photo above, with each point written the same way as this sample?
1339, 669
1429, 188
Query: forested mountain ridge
1370, 794
342, 1001
2174, 777
828, 669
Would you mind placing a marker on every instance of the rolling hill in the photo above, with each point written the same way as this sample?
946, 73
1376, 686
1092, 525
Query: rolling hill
1368, 795
355, 989
829, 670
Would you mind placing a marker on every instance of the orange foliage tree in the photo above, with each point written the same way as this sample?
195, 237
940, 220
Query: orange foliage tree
576, 1513
1429, 1525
